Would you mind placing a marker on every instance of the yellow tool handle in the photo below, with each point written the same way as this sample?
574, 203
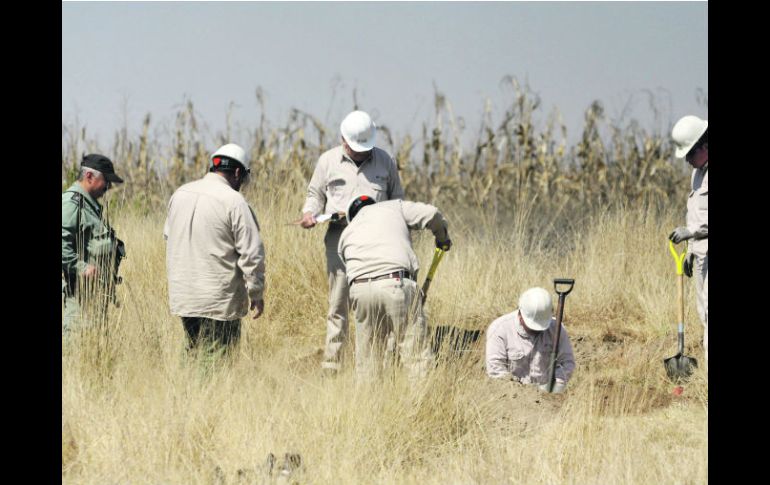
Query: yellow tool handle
680, 295
438, 253
679, 259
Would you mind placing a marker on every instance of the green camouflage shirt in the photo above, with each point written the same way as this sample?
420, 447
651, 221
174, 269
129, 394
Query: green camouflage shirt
95, 241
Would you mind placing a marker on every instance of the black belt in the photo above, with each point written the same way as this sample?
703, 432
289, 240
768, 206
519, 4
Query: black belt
397, 274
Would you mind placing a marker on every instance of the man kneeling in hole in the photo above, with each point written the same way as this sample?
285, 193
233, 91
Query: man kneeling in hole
519, 344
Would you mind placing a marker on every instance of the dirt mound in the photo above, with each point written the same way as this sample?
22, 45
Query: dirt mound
519, 409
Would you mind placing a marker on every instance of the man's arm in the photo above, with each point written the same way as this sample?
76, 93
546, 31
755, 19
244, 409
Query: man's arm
700, 231
315, 202
700, 226
425, 216
69, 254
251, 251
697, 226
496, 355
565, 358
166, 225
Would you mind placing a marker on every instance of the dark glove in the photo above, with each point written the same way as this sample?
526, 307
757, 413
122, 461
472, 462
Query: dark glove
687, 264
445, 245
680, 234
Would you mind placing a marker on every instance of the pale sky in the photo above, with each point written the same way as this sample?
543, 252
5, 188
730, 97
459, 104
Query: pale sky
140, 57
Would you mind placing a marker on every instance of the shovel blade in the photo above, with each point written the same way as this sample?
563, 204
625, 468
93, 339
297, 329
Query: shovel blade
680, 367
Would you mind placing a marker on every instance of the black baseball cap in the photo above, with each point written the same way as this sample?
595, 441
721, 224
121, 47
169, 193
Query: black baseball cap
102, 164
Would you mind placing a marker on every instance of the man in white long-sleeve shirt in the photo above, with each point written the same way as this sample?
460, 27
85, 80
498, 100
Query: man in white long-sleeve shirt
519, 344
691, 137
381, 268
214, 254
353, 168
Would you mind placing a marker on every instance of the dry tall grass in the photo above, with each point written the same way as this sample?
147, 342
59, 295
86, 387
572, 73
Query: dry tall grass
136, 410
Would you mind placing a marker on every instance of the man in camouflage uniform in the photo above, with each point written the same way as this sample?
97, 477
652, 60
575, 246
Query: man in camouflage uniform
90, 252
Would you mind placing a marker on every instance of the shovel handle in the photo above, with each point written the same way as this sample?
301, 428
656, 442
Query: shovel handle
563, 281
678, 258
438, 253
559, 318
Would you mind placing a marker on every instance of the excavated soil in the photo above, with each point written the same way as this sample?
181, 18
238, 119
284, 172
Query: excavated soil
616, 360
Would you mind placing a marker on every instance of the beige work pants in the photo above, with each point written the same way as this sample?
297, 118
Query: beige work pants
337, 316
390, 328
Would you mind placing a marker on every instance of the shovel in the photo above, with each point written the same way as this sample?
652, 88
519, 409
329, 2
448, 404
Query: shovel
559, 317
680, 366
438, 253
460, 339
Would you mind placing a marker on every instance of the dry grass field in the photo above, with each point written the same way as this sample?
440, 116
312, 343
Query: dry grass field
523, 209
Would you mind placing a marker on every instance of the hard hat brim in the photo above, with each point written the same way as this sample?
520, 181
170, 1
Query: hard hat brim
359, 147
681, 152
535, 325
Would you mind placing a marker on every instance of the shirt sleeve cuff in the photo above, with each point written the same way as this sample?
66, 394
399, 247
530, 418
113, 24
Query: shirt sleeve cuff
254, 290
310, 207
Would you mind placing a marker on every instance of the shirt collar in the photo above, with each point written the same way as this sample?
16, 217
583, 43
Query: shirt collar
346, 158
76, 187
217, 178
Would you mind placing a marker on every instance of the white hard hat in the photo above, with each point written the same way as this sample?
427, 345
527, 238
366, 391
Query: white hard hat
359, 131
686, 133
536, 308
231, 150
356, 203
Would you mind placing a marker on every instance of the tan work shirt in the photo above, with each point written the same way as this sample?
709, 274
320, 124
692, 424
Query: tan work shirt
336, 179
377, 241
698, 212
512, 352
214, 254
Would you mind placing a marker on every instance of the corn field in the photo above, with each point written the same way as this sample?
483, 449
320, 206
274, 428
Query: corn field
512, 162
